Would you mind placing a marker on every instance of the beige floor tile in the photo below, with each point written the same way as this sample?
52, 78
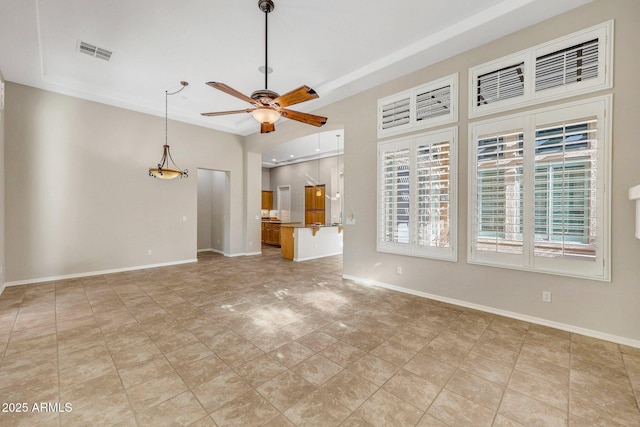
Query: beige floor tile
430, 369
240, 354
202, 370
261, 340
317, 341
545, 391
181, 410
394, 352
363, 340
270, 340
349, 389
155, 391
151, 368
285, 390
543, 369
260, 370
528, 411
487, 369
222, 389
385, 409
476, 389
455, 410
317, 369
188, 354
317, 409
412, 389
90, 369
250, 409
373, 369
342, 353
449, 347
291, 354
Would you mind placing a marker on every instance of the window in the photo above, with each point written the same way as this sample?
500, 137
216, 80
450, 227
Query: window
578, 63
539, 196
428, 105
416, 195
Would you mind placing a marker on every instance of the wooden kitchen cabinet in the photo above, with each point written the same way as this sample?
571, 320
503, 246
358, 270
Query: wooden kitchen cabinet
314, 205
267, 200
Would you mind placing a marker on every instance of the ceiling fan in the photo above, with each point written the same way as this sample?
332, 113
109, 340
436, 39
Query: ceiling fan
268, 106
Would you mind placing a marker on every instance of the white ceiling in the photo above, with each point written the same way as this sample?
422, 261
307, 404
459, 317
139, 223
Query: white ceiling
337, 47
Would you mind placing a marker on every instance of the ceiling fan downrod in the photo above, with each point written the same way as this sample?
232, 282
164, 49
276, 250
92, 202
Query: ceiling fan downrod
267, 7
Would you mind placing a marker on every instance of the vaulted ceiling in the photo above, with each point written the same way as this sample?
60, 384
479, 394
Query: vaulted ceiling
338, 47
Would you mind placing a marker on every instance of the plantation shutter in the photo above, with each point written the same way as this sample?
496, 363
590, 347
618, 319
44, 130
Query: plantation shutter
396, 113
499, 193
498, 85
565, 189
567, 66
394, 195
433, 194
433, 103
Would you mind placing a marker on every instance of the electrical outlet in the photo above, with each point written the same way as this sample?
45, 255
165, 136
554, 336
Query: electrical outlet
546, 296
398, 270
184, 218
149, 252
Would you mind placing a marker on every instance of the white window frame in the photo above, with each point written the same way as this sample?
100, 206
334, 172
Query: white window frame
414, 124
412, 248
603, 32
598, 269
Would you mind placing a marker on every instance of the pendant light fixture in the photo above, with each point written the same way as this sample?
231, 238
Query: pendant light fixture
166, 170
318, 191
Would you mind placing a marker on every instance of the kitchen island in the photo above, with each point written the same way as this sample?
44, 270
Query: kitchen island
305, 242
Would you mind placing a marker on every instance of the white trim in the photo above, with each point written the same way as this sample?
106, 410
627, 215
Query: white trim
97, 273
206, 250
513, 315
316, 257
253, 253
2, 288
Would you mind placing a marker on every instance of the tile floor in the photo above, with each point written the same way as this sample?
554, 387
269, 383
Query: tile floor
265, 341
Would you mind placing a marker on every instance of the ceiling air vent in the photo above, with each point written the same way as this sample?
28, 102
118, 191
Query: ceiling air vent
94, 51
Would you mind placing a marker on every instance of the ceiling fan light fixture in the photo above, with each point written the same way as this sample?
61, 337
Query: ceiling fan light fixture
266, 115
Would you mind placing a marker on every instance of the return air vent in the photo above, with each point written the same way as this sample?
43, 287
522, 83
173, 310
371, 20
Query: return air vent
94, 51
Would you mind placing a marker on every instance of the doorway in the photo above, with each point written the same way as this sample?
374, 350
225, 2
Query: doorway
284, 203
214, 196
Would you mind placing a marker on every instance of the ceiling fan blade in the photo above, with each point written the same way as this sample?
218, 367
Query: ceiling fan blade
224, 113
307, 118
267, 127
296, 96
231, 91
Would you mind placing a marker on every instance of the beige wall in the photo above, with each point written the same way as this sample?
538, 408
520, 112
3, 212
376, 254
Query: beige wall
306, 173
2, 201
601, 309
78, 196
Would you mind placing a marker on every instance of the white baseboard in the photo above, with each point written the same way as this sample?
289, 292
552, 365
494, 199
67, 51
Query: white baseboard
206, 250
2, 287
536, 320
317, 257
96, 273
